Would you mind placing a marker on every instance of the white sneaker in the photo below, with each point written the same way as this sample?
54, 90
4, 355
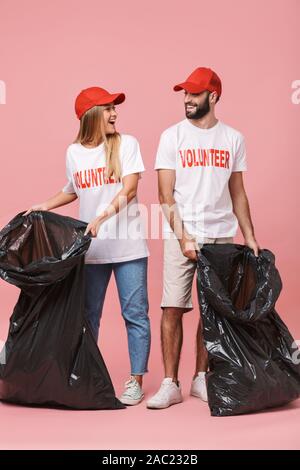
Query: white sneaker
168, 394
133, 393
198, 388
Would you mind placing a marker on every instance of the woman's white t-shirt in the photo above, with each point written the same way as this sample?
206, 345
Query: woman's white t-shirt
121, 237
203, 160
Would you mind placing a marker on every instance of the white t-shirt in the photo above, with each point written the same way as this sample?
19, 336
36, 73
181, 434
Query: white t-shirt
121, 237
203, 160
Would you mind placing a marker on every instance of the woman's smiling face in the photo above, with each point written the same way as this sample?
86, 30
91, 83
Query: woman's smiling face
110, 117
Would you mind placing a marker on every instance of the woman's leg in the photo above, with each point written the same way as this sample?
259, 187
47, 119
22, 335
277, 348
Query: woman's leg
131, 279
96, 281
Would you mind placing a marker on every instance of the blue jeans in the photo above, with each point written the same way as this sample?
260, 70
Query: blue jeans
131, 280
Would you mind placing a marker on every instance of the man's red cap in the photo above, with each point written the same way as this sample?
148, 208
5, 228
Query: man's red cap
95, 96
201, 79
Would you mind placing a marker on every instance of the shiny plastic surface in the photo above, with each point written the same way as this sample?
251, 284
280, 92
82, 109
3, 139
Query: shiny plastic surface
253, 363
51, 357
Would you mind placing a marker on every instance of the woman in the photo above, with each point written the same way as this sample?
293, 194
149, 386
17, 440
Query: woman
103, 168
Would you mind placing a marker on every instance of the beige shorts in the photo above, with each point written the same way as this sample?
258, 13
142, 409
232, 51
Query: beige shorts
178, 273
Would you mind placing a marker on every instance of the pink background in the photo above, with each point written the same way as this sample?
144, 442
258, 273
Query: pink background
49, 52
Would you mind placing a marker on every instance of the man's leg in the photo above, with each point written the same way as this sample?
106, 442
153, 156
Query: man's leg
201, 352
171, 340
177, 286
198, 388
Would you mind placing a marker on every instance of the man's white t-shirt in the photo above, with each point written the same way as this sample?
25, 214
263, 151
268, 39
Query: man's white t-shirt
203, 160
120, 238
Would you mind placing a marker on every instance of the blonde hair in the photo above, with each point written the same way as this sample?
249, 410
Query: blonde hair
92, 131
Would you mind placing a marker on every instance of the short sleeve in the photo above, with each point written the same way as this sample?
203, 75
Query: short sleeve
239, 158
131, 160
166, 153
69, 187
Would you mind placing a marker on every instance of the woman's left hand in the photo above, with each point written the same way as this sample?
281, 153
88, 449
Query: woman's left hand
94, 226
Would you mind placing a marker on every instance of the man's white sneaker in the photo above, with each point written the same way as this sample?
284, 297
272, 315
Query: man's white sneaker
168, 394
198, 388
133, 393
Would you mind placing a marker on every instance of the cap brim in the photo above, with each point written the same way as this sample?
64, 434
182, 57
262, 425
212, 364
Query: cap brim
189, 86
116, 98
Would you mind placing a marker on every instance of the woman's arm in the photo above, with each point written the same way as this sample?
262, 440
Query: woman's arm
124, 196
60, 199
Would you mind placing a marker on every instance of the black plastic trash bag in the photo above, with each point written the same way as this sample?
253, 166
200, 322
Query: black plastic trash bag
50, 357
253, 360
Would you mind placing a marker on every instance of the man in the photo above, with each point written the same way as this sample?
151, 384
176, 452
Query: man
200, 162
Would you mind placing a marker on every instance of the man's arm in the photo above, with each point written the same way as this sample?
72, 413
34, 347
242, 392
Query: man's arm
242, 210
166, 183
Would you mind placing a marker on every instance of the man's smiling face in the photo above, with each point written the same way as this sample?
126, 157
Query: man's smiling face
196, 104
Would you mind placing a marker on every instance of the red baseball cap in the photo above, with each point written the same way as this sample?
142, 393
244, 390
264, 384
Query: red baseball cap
201, 79
94, 96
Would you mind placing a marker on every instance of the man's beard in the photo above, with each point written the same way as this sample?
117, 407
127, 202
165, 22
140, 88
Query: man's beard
200, 110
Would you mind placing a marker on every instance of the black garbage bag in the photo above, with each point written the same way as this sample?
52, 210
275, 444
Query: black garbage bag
50, 357
252, 356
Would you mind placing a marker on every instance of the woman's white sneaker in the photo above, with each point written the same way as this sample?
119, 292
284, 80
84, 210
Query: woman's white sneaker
198, 388
168, 394
133, 393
